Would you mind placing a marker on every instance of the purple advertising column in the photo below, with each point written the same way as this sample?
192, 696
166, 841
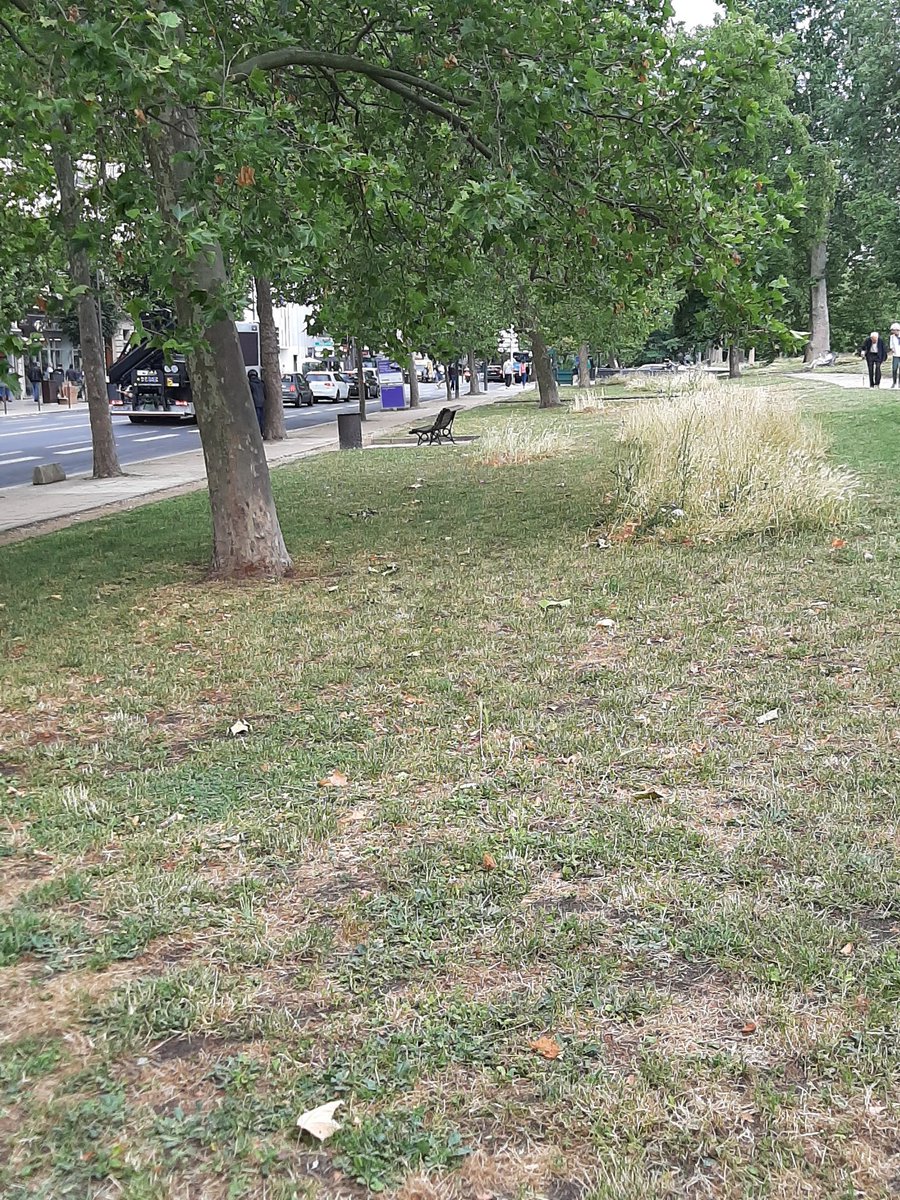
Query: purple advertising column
390, 377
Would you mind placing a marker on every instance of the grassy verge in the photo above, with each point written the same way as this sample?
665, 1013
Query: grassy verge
527, 885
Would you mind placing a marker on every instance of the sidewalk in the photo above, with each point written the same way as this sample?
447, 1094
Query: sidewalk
28, 408
28, 511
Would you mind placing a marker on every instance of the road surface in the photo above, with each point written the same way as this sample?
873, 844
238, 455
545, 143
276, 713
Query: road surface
64, 436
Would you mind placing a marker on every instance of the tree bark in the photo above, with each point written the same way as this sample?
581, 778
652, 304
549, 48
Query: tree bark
612, 362
734, 362
448, 384
474, 388
819, 323
360, 379
548, 392
247, 539
274, 429
93, 359
584, 365
413, 383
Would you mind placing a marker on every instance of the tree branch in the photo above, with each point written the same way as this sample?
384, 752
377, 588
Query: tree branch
14, 37
409, 87
293, 56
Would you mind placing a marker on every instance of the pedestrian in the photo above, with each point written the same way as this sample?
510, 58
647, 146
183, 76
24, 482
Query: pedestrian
895, 354
874, 353
258, 392
34, 375
508, 368
453, 369
523, 372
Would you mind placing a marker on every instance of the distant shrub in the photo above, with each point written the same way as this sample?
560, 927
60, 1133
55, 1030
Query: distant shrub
728, 459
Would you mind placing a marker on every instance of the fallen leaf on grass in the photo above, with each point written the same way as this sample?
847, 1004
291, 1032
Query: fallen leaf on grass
650, 793
489, 863
606, 623
838, 543
847, 950
320, 1122
239, 728
545, 604
546, 1047
767, 717
335, 779
56, 597
748, 1027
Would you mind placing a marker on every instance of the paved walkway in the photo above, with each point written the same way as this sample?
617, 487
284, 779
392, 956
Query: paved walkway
860, 380
28, 510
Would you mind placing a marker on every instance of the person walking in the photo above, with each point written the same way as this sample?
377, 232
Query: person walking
508, 368
895, 354
874, 353
34, 375
258, 392
523, 372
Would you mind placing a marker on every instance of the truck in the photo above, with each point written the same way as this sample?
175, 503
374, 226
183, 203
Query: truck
145, 387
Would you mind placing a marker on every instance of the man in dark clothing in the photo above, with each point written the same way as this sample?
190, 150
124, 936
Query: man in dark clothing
34, 375
874, 353
258, 392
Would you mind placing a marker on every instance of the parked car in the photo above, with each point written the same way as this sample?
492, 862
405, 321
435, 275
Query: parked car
295, 390
328, 385
373, 387
495, 372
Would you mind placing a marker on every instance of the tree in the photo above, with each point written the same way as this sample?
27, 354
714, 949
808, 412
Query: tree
588, 137
273, 416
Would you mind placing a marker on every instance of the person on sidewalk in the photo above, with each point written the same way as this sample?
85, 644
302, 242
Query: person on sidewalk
874, 353
258, 392
895, 354
523, 372
34, 375
508, 369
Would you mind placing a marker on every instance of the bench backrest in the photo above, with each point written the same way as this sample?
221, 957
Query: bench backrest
445, 418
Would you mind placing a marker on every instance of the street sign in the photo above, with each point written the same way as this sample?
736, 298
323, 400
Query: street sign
390, 377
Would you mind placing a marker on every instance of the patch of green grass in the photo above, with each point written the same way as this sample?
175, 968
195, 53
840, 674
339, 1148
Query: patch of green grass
549, 822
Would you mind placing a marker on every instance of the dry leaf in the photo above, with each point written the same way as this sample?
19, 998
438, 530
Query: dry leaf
650, 793
545, 604
838, 543
606, 623
748, 1027
489, 863
320, 1122
55, 597
546, 1047
246, 177
239, 728
767, 717
847, 950
335, 779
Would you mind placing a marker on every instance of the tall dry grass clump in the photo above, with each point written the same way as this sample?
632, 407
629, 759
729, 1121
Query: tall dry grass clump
731, 460
520, 440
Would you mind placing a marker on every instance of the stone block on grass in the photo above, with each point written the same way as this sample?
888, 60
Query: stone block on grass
48, 473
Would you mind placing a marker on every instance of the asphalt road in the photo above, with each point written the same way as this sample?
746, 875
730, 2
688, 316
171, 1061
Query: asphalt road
63, 436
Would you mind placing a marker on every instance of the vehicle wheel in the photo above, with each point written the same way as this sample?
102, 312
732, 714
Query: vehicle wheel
297, 402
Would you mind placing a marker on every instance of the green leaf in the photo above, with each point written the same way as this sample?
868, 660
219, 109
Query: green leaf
169, 20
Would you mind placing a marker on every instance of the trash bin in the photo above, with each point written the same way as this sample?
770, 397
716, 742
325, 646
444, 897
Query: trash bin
349, 431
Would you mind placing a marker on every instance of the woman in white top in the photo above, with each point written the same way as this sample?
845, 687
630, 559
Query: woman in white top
895, 354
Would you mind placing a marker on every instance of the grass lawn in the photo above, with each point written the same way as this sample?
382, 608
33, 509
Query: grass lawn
528, 888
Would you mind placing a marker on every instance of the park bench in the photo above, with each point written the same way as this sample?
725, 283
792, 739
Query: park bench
438, 430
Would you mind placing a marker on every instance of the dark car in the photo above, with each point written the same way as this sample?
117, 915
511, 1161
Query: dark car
350, 378
495, 373
295, 390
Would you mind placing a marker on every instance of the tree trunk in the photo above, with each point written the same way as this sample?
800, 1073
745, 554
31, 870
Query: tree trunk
612, 362
734, 362
820, 325
448, 383
474, 388
548, 392
360, 379
413, 383
584, 365
93, 360
274, 429
247, 538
